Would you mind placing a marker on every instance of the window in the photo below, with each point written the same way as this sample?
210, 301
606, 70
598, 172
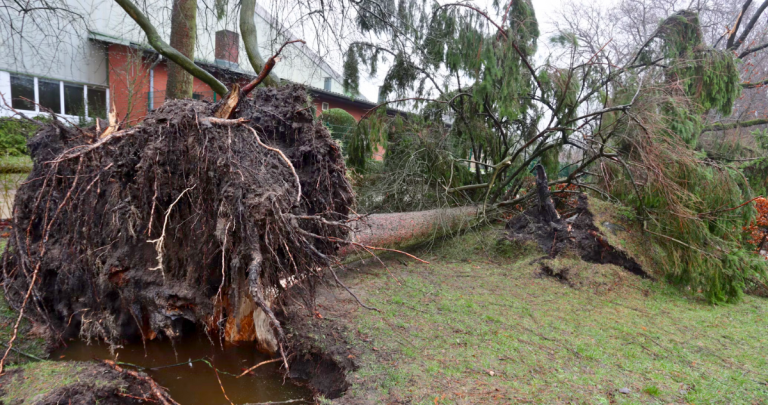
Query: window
97, 102
54, 95
74, 99
22, 87
325, 106
49, 94
327, 85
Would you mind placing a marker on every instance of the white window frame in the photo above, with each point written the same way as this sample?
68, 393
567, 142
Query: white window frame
324, 106
4, 111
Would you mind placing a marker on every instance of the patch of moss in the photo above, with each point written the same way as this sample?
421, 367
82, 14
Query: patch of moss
37, 379
28, 344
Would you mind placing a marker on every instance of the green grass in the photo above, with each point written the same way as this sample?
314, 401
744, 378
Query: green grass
39, 379
15, 164
24, 342
481, 325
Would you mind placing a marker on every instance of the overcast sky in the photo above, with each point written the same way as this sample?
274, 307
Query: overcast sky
545, 13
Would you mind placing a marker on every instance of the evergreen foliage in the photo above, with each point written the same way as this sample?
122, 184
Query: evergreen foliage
637, 126
339, 122
684, 198
418, 168
351, 72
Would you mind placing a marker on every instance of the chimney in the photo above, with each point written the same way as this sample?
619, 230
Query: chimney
227, 49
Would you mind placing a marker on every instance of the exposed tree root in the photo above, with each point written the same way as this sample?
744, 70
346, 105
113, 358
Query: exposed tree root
159, 393
542, 224
221, 207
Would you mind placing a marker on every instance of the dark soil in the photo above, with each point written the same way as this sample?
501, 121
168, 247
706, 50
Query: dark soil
324, 353
95, 383
576, 233
89, 219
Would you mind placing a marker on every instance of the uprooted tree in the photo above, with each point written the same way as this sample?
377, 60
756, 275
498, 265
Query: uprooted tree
200, 215
630, 120
204, 212
185, 219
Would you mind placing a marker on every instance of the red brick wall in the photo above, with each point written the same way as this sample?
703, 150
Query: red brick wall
356, 111
129, 83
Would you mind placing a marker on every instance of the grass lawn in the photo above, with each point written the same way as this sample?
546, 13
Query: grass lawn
479, 325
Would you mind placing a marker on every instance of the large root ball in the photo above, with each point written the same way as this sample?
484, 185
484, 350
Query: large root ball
181, 222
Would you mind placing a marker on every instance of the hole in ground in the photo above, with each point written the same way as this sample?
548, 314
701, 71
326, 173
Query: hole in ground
195, 383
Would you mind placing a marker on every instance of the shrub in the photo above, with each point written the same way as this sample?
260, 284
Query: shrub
14, 133
339, 122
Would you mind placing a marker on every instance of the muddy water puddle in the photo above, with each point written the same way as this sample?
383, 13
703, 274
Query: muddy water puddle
194, 382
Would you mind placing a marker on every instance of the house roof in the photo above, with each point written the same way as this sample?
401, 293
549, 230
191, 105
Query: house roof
100, 37
236, 70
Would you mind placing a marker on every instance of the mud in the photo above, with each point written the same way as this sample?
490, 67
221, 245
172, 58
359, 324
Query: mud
576, 233
324, 353
178, 224
96, 383
184, 368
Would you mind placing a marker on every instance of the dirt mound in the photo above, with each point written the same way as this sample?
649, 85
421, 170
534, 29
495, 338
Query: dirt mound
183, 221
73, 383
577, 233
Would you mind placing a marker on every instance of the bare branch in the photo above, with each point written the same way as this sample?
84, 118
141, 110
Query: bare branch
251, 40
732, 36
748, 28
169, 52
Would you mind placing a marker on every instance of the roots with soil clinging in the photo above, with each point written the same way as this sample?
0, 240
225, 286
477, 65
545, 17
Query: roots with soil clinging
237, 205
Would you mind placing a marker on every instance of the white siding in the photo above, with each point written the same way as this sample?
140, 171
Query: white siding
70, 56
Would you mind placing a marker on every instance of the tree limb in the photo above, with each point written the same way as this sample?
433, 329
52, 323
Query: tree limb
719, 126
755, 84
748, 28
169, 52
251, 40
732, 36
267, 68
753, 50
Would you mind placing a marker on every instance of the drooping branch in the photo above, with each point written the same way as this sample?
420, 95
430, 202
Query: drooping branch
251, 40
169, 52
719, 126
504, 34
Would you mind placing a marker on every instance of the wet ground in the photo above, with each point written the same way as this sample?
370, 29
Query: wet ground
194, 381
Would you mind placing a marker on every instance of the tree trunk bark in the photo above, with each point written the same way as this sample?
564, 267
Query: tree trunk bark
403, 229
546, 205
183, 35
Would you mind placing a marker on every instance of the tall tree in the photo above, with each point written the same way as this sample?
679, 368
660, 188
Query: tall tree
183, 35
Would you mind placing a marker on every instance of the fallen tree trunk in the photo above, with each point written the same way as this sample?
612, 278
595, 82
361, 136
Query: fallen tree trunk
403, 229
